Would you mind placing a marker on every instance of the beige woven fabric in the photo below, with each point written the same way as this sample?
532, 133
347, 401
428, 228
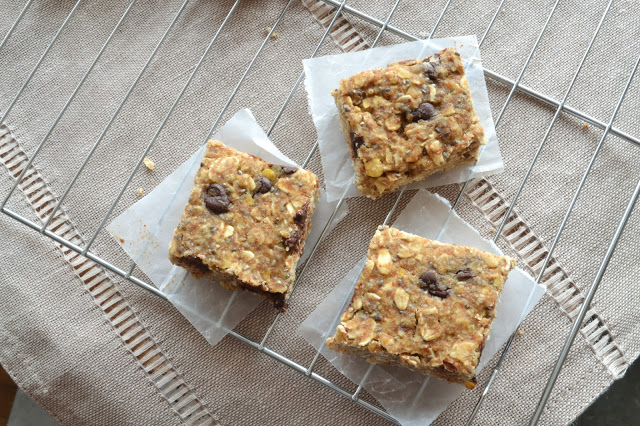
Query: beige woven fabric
93, 348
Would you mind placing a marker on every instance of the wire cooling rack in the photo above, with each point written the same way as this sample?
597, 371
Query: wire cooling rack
382, 26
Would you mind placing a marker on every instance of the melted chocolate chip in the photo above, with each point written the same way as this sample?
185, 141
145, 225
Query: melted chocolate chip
218, 204
263, 185
201, 164
429, 278
424, 112
216, 199
430, 70
301, 215
288, 170
464, 275
291, 242
217, 190
356, 142
429, 282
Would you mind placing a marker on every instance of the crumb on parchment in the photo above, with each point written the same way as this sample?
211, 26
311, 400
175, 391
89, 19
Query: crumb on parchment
140, 192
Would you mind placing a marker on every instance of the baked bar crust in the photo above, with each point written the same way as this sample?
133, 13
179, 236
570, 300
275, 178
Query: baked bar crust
423, 305
408, 121
246, 223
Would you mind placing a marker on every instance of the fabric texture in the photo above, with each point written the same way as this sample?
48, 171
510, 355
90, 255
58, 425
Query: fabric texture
92, 347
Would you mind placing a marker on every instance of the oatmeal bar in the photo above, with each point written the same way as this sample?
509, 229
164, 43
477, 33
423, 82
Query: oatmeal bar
245, 223
407, 121
424, 305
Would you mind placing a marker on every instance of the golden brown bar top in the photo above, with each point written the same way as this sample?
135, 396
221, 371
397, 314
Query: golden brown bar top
246, 222
408, 121
423, 304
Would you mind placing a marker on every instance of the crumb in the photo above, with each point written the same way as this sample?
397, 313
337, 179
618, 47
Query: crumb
121, 240
149, 164
586, 126
274, 36
139, 192
520, 332
492, 230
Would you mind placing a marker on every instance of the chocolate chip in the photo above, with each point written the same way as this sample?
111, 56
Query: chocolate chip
464, 275
424, 112
288, 170
429, 278
429, 282
301, 215
291, 242
216, 199
217, 204
356, 142
430, 70
217, 190
201, 164
440, 292
264, 185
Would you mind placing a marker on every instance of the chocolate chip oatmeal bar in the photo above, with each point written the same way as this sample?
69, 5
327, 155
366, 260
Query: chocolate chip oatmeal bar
245, 223
423, 305
408, 121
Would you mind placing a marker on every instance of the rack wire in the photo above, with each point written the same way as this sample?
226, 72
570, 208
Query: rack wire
340, 8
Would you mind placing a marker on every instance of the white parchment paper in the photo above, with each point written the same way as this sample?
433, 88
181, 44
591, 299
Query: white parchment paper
324, 73
410, 397
145, 229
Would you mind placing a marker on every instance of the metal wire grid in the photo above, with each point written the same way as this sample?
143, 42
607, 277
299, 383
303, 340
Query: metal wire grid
342, 8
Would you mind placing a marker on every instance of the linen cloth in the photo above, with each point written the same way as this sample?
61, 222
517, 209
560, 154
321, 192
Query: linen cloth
94, 348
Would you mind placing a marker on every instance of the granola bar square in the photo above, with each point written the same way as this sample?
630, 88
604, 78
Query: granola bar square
424, 305
246, 223
408, 121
